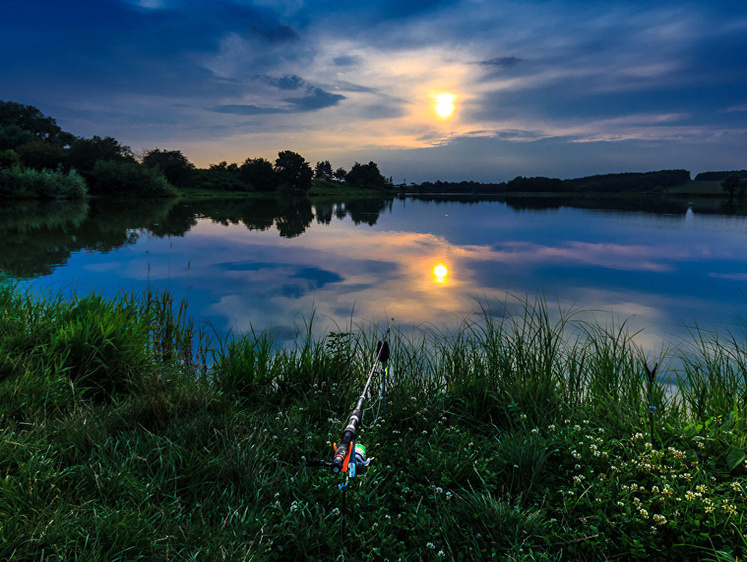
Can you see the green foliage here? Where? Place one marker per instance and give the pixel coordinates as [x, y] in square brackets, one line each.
[20, 124]
[29, 183]
[128, 179]
[9, 158]
[118, 442]
[220, 177]
[84, 153]
[39, 154]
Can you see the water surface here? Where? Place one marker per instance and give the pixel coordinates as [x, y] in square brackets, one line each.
[270, 264]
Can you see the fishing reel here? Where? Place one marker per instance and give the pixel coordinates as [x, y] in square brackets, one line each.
[353, 466]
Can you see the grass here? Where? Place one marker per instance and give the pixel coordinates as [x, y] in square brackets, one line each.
[126, 435]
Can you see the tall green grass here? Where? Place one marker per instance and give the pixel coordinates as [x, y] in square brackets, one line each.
[127, 434]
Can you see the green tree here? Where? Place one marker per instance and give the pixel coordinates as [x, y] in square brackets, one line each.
[259, 174]
[731, 184]
[128, 178]
[323, 170]
[174, 165]
[84, 153]
[40, 155]
[366, 176]
[19, 119]
[220, 177]
[9, 158]
[293, 170]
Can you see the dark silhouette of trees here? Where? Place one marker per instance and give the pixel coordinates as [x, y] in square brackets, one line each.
[720, 176]
[40, 154]
[646, 181]
[340, 174]
[84, 153]
[732, 183]
[9, 158]
[258, 174]
[323, 171]
[366, 176]
[20, 124]
[293, 170]
[125, 178]
[177, 169]
[538, 184]
[220, 177]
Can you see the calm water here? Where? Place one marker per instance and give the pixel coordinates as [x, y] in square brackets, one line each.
[268, 264]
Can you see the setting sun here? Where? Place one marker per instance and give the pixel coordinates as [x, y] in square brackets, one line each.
[440, 272]
[445, 105]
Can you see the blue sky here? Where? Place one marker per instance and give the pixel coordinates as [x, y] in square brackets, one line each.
[560, 88]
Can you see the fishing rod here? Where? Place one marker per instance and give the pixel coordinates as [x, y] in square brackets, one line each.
[347, 447]
[350, 457]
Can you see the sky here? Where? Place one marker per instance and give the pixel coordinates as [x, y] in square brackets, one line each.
[559, 88]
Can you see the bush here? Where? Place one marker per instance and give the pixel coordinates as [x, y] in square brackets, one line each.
[9, 158]
[17, 182]
[127, 179]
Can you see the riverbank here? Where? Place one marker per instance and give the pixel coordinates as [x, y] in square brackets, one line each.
[127, 434]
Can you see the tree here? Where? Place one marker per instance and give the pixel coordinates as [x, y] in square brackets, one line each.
[293, 170]
[220, 177]
[259, 174]
[366, 176]
[323, 171]
[84, 153]
[29, 119]
[174, 165]
[731, 184]
[128, 179]
[40, 155]
[340, 174]
[9, 158]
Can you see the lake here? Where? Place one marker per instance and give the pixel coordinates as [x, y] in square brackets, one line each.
[272, 264]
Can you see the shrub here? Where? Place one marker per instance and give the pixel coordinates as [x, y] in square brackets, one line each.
[127, 179]
[17, 182]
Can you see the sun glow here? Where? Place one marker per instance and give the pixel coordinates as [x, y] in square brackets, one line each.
[444, 105]
[440, 272]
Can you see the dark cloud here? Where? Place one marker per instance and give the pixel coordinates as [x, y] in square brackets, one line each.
[501, 62]
[236, 109]
[317, 99]
[116, 67]
[279, 34]
[381, 111]
[346, 60]
[290, 82]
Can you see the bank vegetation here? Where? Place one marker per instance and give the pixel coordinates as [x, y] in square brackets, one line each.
[127, 432]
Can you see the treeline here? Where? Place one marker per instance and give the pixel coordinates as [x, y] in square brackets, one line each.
[290, 171]
[607, 183]
[40, 160]
[720, 176]
[646, 181]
